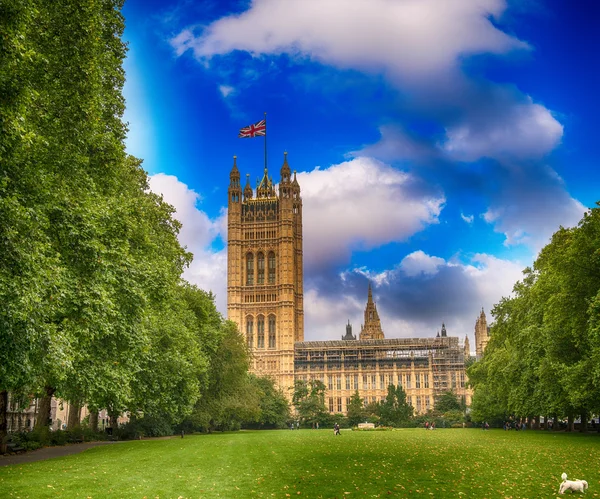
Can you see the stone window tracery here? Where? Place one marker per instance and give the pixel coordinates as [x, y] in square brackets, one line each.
[260, 260]
[260, 332]
[272, 331]
[249, 269]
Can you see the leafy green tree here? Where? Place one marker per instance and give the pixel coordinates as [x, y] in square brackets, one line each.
[309, 400]
[356, 410]
[89, 255]
[448, 401]
[543, 354]
[395, 410]
[274, 407]
[227, 399]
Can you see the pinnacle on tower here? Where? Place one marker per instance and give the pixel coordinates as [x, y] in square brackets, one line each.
[285, 170]
[234, 170]
[248, 188]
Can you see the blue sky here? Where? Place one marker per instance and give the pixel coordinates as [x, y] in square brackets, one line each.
[438, 143]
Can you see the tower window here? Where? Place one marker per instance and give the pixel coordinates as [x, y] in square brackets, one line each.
[260, 332]
[271, 331]
[261, 268]
[271, 268]
[250, 331]
[249, 269]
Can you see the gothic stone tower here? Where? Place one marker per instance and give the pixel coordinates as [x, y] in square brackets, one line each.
[482, 335]
[371, 330]
[264, 270]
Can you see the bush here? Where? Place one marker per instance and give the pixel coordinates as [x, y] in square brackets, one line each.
[146, 426]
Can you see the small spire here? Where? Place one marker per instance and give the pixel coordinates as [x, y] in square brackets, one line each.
[285, 169]
[248, 188]
[235, 173]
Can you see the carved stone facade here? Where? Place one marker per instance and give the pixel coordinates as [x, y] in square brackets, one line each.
[264, 270]
[265, 299]
[482, 334]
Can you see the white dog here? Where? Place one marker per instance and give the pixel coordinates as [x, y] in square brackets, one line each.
[572, 485]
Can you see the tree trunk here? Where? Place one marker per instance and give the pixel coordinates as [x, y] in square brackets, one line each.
[44, 408]
[583, 427]
[74, 415]
[94, 420]
[555, 424]
[536, 423]
[3, 420]
[114, 422]
[570, 421]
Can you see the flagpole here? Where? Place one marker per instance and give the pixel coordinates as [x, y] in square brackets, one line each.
[265, 142]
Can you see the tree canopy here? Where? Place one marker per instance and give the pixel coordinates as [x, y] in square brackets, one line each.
[544, 352]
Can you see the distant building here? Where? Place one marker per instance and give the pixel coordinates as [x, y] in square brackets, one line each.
[265, 299]
[482, 335]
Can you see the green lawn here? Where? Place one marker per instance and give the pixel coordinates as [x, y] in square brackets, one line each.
[315, 464]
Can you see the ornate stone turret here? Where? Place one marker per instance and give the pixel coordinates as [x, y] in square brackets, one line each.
[265, 189]
[444, 330]
[467, 347]
[482, 334]
[285, 170]
[371, 329]
[248, 188]
[349, 336]
[235, 190]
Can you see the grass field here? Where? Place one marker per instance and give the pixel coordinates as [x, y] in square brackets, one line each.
[314, 464]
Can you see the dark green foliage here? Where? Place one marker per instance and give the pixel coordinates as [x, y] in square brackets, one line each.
[273, 406]
[544, 351]
[146, 426]
[448, 401]
[394, 410]
[309, 401]
[356, 410]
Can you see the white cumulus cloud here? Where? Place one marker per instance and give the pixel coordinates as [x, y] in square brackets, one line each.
[209, 267]
[359, 205]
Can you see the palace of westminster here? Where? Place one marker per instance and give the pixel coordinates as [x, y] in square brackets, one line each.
[265, 299]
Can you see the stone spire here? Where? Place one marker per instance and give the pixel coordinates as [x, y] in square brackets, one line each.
[372, 326]
[285, 170]
[248, 188]
[349, 336]
[444, 330]
[482, 334]
[467, 347]
[234, 191]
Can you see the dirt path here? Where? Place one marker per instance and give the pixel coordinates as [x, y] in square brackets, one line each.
[49, 453]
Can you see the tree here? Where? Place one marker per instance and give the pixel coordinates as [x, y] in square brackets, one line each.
[356, 410]
[309, 401]
[89, 255]
[274, 407]
[448, 401]
[542, 358]
[226, 398]
[395, 410]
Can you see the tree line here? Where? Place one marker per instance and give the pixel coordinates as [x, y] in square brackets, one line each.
[543, 357]
[94, 307]
[393, 411]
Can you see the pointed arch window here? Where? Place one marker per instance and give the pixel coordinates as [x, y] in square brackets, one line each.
[272, 331]
[250, 330]
[260, 332]
[260, 260]
[271, 267]
[249, 269]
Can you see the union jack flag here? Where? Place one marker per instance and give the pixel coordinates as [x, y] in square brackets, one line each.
[256, 130]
